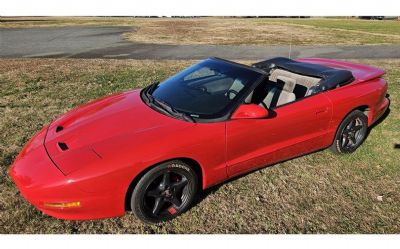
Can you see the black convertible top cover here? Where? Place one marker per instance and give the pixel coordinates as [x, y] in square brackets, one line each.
[330, 77]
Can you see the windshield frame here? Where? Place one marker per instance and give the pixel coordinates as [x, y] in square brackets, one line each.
[227, 111]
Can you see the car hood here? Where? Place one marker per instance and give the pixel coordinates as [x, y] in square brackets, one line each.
[72, 138]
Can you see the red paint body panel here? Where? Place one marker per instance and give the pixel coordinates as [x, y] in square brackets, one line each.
[40, 181]
[102, 146]
[295, 129]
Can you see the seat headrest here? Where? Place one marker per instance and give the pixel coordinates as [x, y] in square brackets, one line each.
[289, 83]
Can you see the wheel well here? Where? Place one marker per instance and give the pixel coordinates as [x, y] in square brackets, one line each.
[365, 109]
[192, 163]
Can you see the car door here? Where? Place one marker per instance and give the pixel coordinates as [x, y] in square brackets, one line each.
[290, 130]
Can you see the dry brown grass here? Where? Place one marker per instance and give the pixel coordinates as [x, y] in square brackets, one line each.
[238, 31]
[222, 31]
[318, 193]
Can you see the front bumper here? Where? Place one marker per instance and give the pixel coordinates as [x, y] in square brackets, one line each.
[40, 182]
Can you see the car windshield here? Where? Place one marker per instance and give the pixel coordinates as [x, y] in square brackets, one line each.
[204, 90]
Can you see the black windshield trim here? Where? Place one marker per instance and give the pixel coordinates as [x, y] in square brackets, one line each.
[252, 68]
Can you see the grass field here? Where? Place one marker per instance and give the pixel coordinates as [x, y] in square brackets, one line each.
[317, 193]
[238, 31]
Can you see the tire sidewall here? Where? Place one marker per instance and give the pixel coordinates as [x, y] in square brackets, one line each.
[337, 147]
[137, 204]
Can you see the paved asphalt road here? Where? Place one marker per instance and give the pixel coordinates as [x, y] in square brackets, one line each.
[107, 42]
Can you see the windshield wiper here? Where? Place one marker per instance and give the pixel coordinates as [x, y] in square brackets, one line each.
[163, 106]
[171, 110]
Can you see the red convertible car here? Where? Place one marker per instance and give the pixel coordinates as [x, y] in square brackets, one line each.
[152, 150]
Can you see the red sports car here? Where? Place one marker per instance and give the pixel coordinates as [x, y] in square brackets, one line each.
[152, 150]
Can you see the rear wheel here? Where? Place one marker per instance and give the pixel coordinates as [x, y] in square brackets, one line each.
[164, 192]
[351, 133]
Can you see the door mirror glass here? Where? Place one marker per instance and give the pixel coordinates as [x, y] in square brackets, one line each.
[246, 111]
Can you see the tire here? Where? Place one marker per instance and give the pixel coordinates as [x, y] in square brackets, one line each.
[164, 192]
[351, 133]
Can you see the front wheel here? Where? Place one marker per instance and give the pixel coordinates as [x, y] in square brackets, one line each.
[351, 133]
[164, 192]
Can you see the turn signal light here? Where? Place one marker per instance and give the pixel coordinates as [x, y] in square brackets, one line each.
[62, 204]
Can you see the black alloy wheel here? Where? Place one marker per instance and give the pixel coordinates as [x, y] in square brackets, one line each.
[164, 192]
[351, 133]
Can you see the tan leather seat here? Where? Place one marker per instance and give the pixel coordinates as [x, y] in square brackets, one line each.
[285, 97]
[278, 97]
[306, 81]
[236, 87]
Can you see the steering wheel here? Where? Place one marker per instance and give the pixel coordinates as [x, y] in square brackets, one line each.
[231, 91]
[202, 89]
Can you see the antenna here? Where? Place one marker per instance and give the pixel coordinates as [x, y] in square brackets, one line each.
[290, 44]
